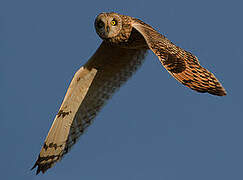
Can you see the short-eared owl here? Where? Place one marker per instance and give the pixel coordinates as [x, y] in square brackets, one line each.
[121, 53]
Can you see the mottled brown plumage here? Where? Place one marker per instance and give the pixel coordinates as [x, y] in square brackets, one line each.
[125, 42]
[182, 65]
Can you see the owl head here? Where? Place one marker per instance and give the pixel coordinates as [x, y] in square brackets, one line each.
[108, 25]
[113, 27]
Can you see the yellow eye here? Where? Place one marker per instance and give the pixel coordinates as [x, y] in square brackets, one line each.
[113, 22]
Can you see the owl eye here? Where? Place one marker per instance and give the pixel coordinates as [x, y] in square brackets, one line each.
[113, 22]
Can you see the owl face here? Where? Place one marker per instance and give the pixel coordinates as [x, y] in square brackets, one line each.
[108, 25]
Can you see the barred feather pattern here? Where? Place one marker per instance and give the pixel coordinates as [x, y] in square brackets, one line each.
[105, 84]
[182, 65]
[113, 65]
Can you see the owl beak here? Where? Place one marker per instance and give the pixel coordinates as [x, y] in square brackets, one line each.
[107, 28]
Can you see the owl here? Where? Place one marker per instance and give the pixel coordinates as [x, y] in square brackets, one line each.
[122, 51]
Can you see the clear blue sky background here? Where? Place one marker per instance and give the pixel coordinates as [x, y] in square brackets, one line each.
[153, 128]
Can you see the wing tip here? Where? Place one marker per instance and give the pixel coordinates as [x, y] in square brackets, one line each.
[41, 167]
[38, 168]
[217, 92]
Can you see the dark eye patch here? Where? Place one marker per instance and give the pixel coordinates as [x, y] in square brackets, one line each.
[100, 24]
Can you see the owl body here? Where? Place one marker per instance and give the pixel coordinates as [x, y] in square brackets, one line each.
[122, 51]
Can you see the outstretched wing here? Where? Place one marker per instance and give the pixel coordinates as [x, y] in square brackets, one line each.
[90, 88]
[182, 65]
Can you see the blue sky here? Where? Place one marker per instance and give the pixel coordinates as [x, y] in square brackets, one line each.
[153, 128]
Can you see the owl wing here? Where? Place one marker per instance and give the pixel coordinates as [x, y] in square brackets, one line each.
[182, 65]
[92, 85]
